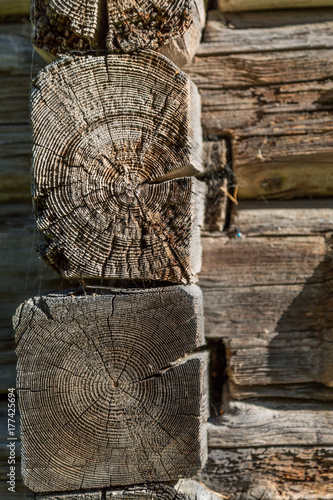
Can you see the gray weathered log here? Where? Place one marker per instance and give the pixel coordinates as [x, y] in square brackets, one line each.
[15, 135]
[183, 490]
[22, 275]
[271, 473]
[272, 423]
[235, 5]
[174, 28]
[110, 135]
[273, 18]
[150, 492]
[272, 308]
[14, 8]
[297, 391]
[285, 218]
[109, 391]
[270, 89]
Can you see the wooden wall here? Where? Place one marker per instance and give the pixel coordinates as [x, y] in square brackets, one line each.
[266, 86]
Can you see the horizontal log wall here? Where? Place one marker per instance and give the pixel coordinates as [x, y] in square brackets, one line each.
[239, 5]
[268, 87]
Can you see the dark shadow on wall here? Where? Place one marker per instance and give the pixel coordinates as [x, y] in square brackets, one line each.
[302, 350]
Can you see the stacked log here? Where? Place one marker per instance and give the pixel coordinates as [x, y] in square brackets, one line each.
[265, 79]
[112, 381]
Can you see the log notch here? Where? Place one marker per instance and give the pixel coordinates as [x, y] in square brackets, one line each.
[106, 400]
[105, 147]
[174, 28]
[266, 81]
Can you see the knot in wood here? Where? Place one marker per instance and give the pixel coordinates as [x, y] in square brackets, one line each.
[127, 189]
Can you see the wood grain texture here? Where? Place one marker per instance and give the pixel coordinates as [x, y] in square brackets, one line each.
[152, 491]
[107, 146]
[15, 134]
[22, 275]
[273, 18]
[93, 495]
[272, 423]
[271, 473]
[217, 175]
[236, 5]
[172, 27]
[269, 299]
[108, 401]
[285, 218]
[14, 8]
[295, 391]
[270, 90]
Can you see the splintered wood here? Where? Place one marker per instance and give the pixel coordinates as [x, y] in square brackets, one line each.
[110, 135]
[172, 27]
[108, 392]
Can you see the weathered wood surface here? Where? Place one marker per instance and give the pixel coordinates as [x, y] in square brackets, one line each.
[272, 423]
[195, 490]
[22, 275]
[271, 473]
[111, 147]
[270, 90]
[272, 18]
[296, 391]
[173, 28]
[221, 39]
[14, 8]
[217, 176]
[286, 218]
[235, 5]
[183, 490]
[268, 298]
[17, 63]
[105, 402]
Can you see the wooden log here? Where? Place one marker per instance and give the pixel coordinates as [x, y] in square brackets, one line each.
[272, 18]
[297, 391]
[284, 218]
[174, 28]
[91, 495]
[236, 5]
[271, 473]
[150, 492]
[107, 145]
[14, 8]
[108, 394]
[273, 97]
[272, 423]
[272, 307]
[221, 39]
[15, 134]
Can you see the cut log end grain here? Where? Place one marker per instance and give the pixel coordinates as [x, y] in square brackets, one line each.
[127, 26]
[111, 138]
[149, 492]
[111, 388]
